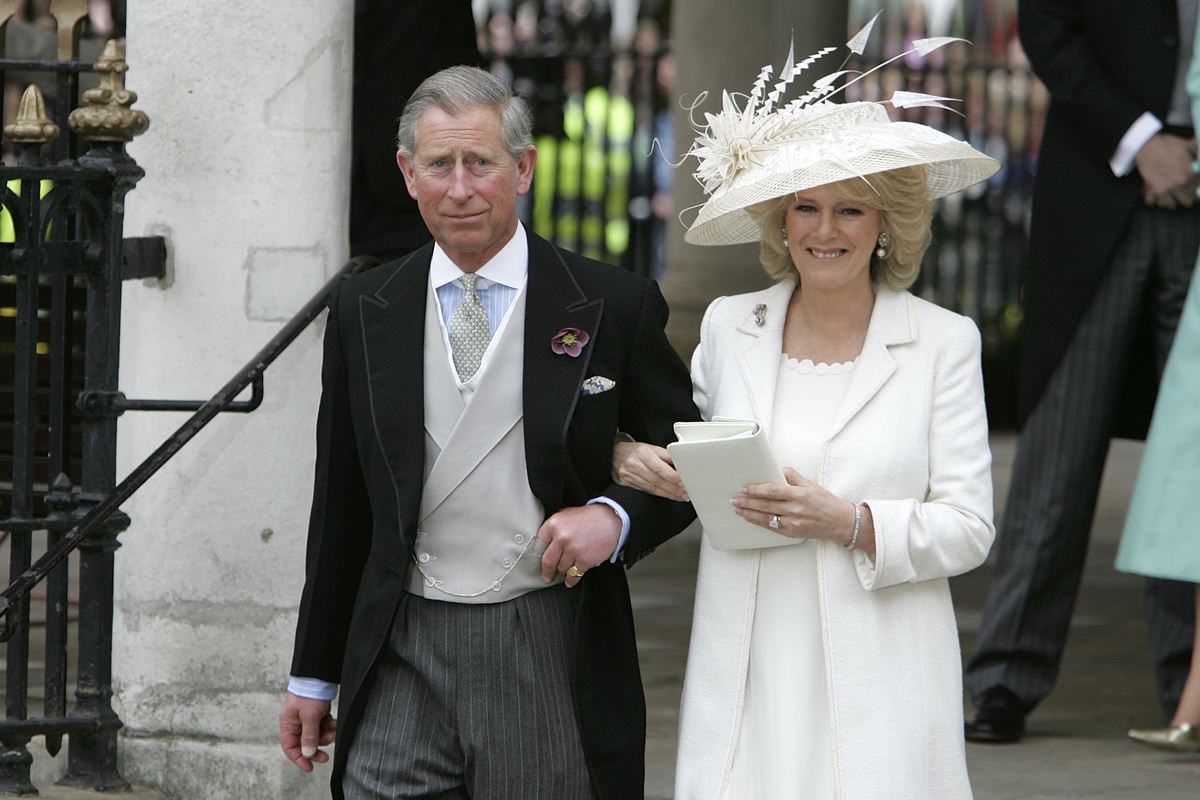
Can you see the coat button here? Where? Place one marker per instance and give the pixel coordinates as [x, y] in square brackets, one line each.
[519, 538]
[423, 558]
[508, 562]
[430, 581]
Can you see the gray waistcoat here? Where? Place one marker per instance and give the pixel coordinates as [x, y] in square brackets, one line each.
[477, 529]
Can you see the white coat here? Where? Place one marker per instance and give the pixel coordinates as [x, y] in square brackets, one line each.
[911, 442]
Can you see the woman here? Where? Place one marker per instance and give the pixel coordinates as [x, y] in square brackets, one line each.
[830, 668]
[1160, 530]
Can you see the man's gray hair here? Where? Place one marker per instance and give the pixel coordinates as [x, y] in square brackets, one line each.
[454, 90]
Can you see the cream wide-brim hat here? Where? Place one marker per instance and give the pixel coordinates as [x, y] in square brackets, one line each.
[830, 142]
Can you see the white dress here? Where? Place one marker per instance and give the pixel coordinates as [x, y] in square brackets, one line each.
[784, 751]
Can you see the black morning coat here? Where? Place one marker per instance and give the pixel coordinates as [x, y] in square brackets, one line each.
[370, 466]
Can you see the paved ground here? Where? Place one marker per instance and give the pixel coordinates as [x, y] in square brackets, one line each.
[1076, 747]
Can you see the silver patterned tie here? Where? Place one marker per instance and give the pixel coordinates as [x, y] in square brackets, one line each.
[469, 333]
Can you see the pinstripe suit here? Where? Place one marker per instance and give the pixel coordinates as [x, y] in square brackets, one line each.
[1104, 286]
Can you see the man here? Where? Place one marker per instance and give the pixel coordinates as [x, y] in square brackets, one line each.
[464, 580]
[1113, 243]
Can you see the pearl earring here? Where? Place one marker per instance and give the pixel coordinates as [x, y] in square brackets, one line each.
[883, 243]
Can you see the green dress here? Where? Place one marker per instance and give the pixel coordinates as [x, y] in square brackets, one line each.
[1162, 530]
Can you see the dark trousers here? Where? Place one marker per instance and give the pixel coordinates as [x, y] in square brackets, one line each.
[1056, 477]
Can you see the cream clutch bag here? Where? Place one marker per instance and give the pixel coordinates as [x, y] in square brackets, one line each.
[716, 459]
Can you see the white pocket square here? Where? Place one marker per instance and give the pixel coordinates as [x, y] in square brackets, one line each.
[597, 384]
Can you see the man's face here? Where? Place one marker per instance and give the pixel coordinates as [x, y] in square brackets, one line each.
[465, 183]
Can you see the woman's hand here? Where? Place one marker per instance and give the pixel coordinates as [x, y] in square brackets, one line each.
[648, 468]
[805, 510]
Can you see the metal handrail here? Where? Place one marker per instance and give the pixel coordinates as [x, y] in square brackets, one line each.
[12, 597]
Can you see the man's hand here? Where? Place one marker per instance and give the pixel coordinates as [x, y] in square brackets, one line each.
[580, 537]
[305, 725]
[1165, 164]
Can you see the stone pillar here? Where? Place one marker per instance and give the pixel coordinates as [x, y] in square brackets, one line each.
[721, 45]
[247, 171]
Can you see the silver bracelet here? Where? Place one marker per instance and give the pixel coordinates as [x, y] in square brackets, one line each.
[857, 527]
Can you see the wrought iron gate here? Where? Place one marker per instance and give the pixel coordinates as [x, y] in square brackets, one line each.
[62, 260]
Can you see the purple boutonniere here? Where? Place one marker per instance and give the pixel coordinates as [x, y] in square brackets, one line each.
[569, 341]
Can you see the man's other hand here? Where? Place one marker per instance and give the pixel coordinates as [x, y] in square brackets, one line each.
[580, 537]
[1165, 164]
[304, 726]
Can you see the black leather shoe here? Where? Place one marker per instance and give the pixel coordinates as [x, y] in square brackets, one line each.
[999, 718]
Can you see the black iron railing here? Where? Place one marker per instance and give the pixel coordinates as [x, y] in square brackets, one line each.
[63, 263]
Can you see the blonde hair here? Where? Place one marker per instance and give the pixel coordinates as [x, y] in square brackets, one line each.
[902, 198]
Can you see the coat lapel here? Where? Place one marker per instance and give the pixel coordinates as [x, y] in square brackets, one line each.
[393, 321]
[552, 381]
[891, 324]
[759, 360]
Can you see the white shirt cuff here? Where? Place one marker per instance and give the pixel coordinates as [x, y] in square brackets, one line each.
[620, 511]
[312, 688]
[1140, 132]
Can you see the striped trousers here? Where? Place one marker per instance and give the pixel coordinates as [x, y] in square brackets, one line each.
[473, 701]
[1056, 476]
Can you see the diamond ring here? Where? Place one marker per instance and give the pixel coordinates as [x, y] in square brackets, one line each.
[775, 522]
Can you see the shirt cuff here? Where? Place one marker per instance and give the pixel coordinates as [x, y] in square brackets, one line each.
[312, 688]
[620, 512]
[1140, 132]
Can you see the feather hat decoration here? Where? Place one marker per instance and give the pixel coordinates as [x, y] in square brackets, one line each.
[758, 147]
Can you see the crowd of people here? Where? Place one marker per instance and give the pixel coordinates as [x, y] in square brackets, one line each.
[496, 409]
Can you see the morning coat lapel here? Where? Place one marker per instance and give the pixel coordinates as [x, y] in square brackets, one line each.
[891, 324]
[759, 358]
[393, 322]
[552, 381]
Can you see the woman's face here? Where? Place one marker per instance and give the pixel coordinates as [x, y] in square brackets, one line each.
[831, 238]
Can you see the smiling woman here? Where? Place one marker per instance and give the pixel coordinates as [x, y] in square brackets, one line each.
[829, 667]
